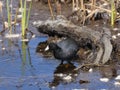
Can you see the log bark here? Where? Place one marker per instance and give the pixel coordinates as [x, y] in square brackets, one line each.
[63, 28]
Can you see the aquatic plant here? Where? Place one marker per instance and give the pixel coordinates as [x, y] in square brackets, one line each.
[9, 15]
[24, 11]
[113, 13]
[86, 10]
[24, 26]
[25, 16]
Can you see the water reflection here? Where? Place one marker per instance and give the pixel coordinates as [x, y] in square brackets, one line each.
[25, 53]
[64, 74]
[67, 74]
[25, 56]
[108, 71]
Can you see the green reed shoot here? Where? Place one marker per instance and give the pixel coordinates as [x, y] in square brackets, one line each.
[23, 7]
[25, 16]
[24, 25]
[113, 12]
[9, 16]
[28, 16]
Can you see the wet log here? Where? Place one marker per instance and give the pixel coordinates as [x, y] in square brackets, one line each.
[61, 27]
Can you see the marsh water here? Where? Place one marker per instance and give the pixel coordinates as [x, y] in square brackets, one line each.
[22, 68]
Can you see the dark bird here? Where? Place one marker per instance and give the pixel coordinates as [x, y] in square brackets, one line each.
[65, 50]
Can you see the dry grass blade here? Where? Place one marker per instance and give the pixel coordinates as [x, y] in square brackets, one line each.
[99, 7]
[1, 5]
[51, 11]
[82, 4]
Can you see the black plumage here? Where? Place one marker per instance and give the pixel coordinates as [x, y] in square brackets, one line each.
[65, 49]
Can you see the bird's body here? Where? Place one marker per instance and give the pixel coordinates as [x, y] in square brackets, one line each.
[65, 49]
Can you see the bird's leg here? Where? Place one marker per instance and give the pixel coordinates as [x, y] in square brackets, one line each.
[69, 62]
[61, 62]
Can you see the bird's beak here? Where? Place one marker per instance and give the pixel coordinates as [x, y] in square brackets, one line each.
[47, 48]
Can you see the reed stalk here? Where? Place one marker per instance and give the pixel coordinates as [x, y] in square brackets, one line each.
[93, 4]
[9, 16]
[113, 13]
[82, 4]
[29, 11]
[25, 16]
[23, 7]
[15, 20]
[2, 15]
[51, 11]
[24, 26]
[73, 5]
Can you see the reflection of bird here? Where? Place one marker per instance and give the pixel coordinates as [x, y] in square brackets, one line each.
[65, 68]
[64, 73]
[66, 49]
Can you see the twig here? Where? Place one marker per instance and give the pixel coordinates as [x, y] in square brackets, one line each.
[51, 11]
[109, 11]
[90, 64]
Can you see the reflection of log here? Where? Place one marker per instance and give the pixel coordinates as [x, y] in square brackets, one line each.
[62, 27]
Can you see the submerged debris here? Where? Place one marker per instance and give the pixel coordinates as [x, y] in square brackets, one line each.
[83, 81]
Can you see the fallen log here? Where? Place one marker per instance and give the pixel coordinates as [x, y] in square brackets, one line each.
[61, 27]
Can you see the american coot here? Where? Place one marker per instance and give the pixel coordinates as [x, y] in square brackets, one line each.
[65, 49]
